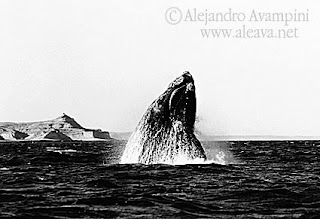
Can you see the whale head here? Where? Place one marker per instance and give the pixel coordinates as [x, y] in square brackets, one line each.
[165, 132]
[176, 104]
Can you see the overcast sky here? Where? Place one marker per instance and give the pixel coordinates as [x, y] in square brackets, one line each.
[104, 62]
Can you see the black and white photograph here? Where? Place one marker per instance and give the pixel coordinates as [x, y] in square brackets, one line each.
[159, 109]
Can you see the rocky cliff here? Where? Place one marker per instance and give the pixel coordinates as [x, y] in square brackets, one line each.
[62, 128]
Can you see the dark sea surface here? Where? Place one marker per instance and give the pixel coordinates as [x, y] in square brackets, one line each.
[262, 179]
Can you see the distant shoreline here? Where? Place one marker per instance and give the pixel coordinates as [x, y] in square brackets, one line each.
[114, 139]
[126, 135]
[62, 128]
[65, 128]
[259, 138]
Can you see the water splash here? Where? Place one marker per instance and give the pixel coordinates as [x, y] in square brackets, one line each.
[173, 151]
[172, 145]
[219, 153]
[219, 157]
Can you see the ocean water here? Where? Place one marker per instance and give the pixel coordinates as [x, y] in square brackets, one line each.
[256, 179]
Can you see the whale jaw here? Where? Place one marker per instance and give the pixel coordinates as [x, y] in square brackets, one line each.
[182, 105]
[165, 133]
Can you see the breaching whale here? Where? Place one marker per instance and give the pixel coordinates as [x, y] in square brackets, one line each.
[165, 133]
